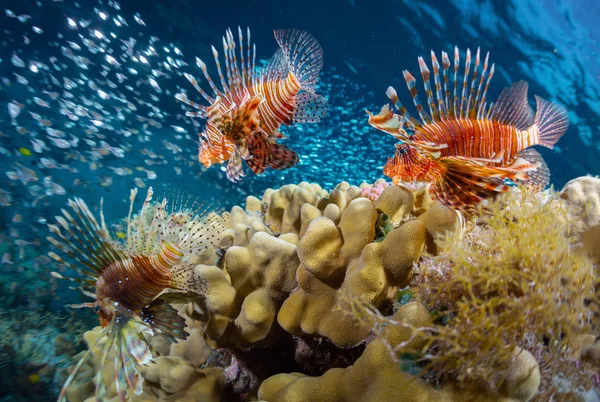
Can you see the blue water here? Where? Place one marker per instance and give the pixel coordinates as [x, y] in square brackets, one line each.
[551, 44]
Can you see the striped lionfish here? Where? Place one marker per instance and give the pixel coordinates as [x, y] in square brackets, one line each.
[245, 114]
[127, 279]
[465, 148]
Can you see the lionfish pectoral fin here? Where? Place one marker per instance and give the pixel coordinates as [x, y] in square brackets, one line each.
[164, 319]
[84, 358]
[521, 164]
[540, 177]
[81, 305]
[282, 157]
[277, 134]
[497, 158]
[246, 119]
[464, 184]
[259, 151]
[235, 171]
[309, 108]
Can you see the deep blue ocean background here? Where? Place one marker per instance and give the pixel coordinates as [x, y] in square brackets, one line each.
[552, 44]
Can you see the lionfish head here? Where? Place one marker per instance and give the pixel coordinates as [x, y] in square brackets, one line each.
[409, 164]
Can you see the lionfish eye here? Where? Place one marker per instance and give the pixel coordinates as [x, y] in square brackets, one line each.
[402, 151]
[96, 309]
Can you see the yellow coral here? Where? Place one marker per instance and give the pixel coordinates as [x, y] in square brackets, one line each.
[376, 375]
[243, 299]
[582, 198]
[346, 258]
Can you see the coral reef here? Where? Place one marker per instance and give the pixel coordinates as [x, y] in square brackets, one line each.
[582, 198]
[34, 350]
[379, 293]
[375, 376]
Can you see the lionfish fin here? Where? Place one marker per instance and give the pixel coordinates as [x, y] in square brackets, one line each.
[406, 120]
[85, 242]
[201, 109]
[441, 103]
[552, 121]
[464, 184]
[425, 74]
[84, 358]
[309, 107]
[186, 230]
[260, 152]
[196, 86]
[234, 170]
[303, 55]
[239, 74]
[127, 349]
[512, 107]
[282, 157]
[540, 177]
[386, 120]
[496, 158]
[410, 83]
[162, 318]
[276, 68]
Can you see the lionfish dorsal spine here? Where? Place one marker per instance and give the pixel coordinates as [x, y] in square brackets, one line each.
[438, 85]
[471, 103]
[410, 83]
[473, 82]
[476, 104]
[425, 74]
[446, 66]
[212, 84]
[463, 98]
[455, 93]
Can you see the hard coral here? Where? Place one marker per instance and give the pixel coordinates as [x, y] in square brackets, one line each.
[582, 198]
[377, 374]
[345, 257]
[243, 299]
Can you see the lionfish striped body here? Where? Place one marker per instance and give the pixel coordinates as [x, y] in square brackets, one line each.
[127, 280]
[245, 114]
[464, 147]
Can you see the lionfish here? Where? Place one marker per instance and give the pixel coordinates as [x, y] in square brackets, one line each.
[465, 148]
[127, 279]
[245, 114]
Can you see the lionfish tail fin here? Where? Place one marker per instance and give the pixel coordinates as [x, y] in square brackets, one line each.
[309, 108]
[162, 318]
[303, 55]
[552, 121]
